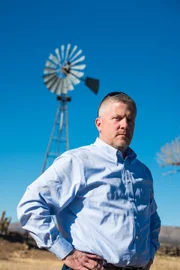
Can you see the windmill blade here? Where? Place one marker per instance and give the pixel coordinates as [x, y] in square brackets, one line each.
[67, 53]
[64, 90]
[73, 79]
[80, 67]
[48, 77]
[62, 53]
[73, 50]
[51, 82]
[77, 73]
[76, 55]
[78, 60]
[65, 86]
[59, 87]
[53, 59]
[58, 55]
[53, 87]
[92, 84]
[70, 86]
[49, 71]
[50, 64]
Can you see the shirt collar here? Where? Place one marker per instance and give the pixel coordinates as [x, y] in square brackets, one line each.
[115, 154]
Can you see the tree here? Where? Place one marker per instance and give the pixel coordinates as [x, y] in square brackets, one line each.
[170, 155]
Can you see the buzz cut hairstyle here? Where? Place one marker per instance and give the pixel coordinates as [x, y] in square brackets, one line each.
[118, 97]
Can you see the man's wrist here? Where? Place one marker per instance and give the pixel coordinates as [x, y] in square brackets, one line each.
[61, 248]
[69, 254]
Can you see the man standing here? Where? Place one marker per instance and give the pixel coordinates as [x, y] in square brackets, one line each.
[102, 197]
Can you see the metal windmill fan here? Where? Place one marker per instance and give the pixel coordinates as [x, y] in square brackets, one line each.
[64, 70]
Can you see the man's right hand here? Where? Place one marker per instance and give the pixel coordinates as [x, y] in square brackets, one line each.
[79, 260]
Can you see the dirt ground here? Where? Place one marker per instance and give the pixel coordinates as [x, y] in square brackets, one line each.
[17, 256]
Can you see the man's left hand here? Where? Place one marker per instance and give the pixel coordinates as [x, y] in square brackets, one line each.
[148, 265]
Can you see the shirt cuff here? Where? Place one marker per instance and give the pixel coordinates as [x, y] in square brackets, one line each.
[61, 248]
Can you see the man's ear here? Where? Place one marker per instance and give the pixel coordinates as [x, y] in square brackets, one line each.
[98, 123]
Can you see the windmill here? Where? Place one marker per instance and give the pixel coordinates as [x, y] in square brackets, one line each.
[62, 72]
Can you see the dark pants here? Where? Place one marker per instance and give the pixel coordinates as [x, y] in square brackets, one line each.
[65, 267]
[108, 267]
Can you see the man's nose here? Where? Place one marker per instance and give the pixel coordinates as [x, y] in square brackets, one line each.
[124, 123]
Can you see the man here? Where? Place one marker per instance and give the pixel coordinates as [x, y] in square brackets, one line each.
[102, 197]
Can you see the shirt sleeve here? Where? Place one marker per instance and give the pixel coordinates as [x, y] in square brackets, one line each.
[155, 226]
[45, 197]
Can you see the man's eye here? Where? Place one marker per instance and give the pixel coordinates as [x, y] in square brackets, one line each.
[117, 118]
[130, 120]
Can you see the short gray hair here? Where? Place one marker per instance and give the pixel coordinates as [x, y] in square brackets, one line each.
[119, 97]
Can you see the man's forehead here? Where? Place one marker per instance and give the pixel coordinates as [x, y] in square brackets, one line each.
[109, 106]
[118, 108]
[118, 104]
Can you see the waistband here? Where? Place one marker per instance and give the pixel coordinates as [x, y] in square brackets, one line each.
[109, 266]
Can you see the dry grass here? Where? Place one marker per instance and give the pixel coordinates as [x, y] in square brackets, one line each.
[166, 263]
[30, 264]
[161, 263]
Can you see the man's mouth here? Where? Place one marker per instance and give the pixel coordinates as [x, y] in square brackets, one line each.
[124, 135]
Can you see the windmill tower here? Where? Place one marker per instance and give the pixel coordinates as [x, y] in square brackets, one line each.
[62, 72]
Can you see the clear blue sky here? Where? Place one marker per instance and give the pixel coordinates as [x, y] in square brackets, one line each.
[132, 46]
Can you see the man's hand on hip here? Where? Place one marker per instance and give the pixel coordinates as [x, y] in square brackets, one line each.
[79, 260]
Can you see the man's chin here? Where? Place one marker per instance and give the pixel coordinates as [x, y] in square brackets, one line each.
[122, 146]
[123, 141]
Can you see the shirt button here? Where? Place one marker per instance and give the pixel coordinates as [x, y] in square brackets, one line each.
[137, 237]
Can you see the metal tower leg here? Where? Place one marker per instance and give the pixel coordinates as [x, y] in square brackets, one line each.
[59, 140]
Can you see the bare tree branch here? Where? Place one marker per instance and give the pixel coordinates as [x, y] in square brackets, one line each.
[170, 172]
[170, 154]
